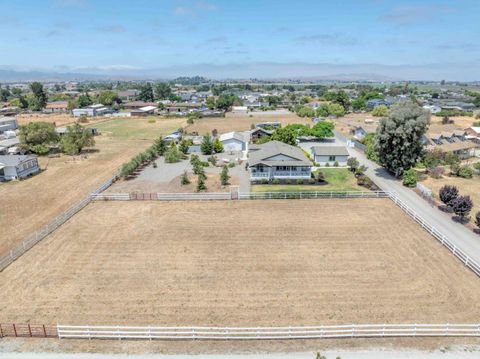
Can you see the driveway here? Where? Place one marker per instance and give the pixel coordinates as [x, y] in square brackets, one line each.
[462, 237]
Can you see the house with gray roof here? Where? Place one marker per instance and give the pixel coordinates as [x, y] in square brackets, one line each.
[277, 160]
[330, 154]
[17, 166]
[234, 141]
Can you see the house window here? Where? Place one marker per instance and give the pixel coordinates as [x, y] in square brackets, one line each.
[331, 158]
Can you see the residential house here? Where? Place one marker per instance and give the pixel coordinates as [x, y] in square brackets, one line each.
[56, 107]
[277, 160]
[329, 155]
[234, 141]
[8, 124]
[450, 139]
[371, 104]
[433, 108]
[183, 107]
[128, 95]
[473, 133]
[359, 132]
[17, 166]
[268, 125]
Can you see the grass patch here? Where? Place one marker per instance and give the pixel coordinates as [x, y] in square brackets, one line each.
[148, 128]
[339, 179]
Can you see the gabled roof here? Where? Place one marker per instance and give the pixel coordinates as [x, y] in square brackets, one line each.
[232, 135]
[261, 129]
[13, 160]
[330, 151]
[264, 153]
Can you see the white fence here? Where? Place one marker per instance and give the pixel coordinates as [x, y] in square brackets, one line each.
[16, 252]
[233, 195]
[468, 261]
[263, 333]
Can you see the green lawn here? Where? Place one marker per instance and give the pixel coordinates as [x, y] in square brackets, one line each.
[148, 128]
[339, 179]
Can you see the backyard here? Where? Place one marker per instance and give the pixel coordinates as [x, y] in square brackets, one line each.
[239, 263]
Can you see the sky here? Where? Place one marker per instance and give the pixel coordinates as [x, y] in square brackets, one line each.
[422, 39]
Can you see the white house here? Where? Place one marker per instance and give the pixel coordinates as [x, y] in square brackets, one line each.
[433, 108]
[277, 160]
[91, 111]
[17, 166]
[330, 154]
[234, 142]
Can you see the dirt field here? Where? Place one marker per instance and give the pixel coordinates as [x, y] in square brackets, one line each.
[347, 123]
[235, 263]
[462, 122]
[29, 204]
[242, 122]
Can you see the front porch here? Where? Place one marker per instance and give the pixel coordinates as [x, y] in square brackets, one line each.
[279, 172]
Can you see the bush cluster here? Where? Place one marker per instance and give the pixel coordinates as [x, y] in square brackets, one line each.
[147, 156]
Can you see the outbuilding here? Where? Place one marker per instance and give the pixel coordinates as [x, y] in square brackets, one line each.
[233, 142]
[330, 155]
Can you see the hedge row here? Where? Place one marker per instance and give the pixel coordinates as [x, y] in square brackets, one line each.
[145, 157]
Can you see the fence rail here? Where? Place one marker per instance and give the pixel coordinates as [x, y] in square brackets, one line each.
[28, 330]
[467, 260]
[262, 333]
[28, 243]
[242, 195]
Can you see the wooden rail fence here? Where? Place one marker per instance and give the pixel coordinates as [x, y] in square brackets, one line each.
[28, 330]
[264, 333]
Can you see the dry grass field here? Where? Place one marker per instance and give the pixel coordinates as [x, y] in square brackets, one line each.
[29, 204]
[239, 263]
[462, 122]
[242, 122]
[470, 187]
[60, 119]
[347, 123]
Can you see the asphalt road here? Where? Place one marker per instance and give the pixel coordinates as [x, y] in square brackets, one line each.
[458, 234]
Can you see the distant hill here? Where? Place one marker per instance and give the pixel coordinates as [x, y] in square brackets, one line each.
[22, 76]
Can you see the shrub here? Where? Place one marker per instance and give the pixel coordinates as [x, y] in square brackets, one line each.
[275, 181]
[184, 179]
[217, 146]
[152, 120]
[311, 181]
[448, 194]
[213, 160]
[380, 111]
[231, 164]
[476, 166]
[361, 170]
[465, 171]
[409, 178]
[83, 119]
[451, 159]
[207, 145]
[299, 181]
[201, 183]
[477, 219]
[353, 164]
[335, 164]
[172, 155]
[224, 177]
[288, 181]
[462, 206]
[436, 172]
[327, 164]
[264, 180]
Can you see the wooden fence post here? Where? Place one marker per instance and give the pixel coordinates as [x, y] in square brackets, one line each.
[30, 330]
[14, 329]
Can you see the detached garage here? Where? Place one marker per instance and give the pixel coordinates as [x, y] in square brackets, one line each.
[233, 142]
[330, 154]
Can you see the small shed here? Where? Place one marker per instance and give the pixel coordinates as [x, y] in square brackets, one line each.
[330, 154]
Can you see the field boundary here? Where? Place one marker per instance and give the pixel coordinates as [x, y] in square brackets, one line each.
[135, 196]
[28, 243]
[268, 333]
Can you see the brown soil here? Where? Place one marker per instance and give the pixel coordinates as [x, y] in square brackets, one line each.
[239, 263]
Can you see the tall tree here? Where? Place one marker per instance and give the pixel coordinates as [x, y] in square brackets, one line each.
[37, 137]
[146, 93]
[84, 100]
[75, 139]
[39, 99]
[398, 140]
[163, 91]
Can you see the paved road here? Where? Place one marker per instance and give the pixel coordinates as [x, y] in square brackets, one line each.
[455, 353]
[462, 237]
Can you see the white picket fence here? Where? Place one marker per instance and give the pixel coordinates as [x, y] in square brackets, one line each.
[263, 333]
[467, 260]
[313, 194]
[28, 243]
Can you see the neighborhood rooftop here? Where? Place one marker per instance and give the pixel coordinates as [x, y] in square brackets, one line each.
[330, 151]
